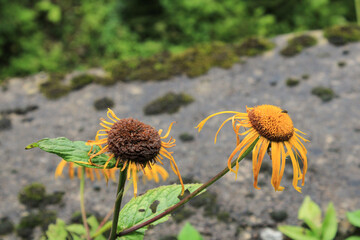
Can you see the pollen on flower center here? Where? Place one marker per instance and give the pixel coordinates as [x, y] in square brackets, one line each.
[134, 141]
[271, 122]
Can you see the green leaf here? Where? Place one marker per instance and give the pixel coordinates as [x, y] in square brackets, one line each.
[152, 203]
[93, 223]
[76, 229]
[297, 233]
[353, 238]
[310, 213]
[57, 231]
[354, 218]
[72, 151]
[329, 226]
[189, 232]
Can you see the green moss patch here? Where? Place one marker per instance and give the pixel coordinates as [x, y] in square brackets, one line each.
[342, 34]
[324, 93]
[54, 88]
[81, 81]
[342, 64]
[182, 214]
[103, 103]
[186, 137]
[54, 198]
[28, 223]
[279, 216]
[208, 201]
[292, 82]
[34, 196]
[305, 76]
[26, 226]
[46, 218]
[253, 46]
[5, 123]
[6, 226]
[224, 217]
[193, 62]
[169, 103]
[297, 44]
[199, 59]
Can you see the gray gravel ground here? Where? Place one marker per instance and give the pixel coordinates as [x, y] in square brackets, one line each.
[333, 128]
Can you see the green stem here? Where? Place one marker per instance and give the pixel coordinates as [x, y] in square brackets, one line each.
[82, 202]
[104, 225]
[119, 196]
[190, 196]
[357, 9]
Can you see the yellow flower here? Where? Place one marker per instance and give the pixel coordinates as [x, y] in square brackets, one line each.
[275, 130]
[89, 172]
[136, 145]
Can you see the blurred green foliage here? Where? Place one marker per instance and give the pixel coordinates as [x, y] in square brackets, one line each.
[55, 35]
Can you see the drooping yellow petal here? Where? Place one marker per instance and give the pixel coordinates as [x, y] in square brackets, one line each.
[295, 168]
[168, 131]
[229, 119]
[202, 123]
[112, 114]
[255, 154]
[275, 158]
[106, 122]
[59, 168]
[98, 142]
[245, 141]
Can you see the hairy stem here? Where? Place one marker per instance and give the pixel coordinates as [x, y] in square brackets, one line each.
[119, 196]
[190, 196]
[82, 202]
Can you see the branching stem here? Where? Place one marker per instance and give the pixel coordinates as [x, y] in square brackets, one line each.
[187, 198]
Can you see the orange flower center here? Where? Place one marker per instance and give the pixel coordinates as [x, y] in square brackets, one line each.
[271, 122]
[131, 140]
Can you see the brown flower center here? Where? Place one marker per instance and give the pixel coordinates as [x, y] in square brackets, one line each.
[271, 122]
[131, 140]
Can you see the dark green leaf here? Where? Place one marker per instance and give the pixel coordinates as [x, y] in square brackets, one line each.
[189, 232]
[354, 218]
[297, 233]
[329, 227]
[70, 151]
[152, 203]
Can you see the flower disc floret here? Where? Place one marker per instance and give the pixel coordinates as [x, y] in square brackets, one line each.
[131, 140]
[271, 122]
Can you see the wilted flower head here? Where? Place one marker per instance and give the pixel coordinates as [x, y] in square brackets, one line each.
[274, 129]
[135, 145]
